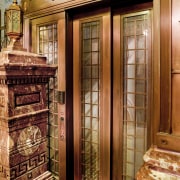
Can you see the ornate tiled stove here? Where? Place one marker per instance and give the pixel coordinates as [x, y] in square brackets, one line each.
[23, 115]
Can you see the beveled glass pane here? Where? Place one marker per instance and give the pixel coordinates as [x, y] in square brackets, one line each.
[129, 28]
[56, 144]
[95, 44]
[95, 136]
[87, 97]
[55, 33]
[50, 47]
[140, 116]
[130, 128]
[45, 47]
[95, 71]
[140, 42]
[95, 97]
[55, 58]
[87, 58]
[86, 72]
[86, 32]
[50, 34]
[55, 46]
[87, 134]
[41, 28]
[51, 118]
[87, 146]
[130, 142]
[56, 155]
[56, 131]
[130, 85]
[52, 164]
[139, 158]
[87, 122]
[130, 57]
[55, 107]
[130, 100]
[95, 111]
[51, 95]
[87, 109]
[95, 124]
[50, 59]
[45, 35]
[95, 84]
[95, 58]
[140, 144]
[140, 56]
[140, 71]
[130, 156]
[86, 84]
[140, 86]
[95, 31]
[130, 170]
[86, 158]
[131, 42]
[87, 45]
[140, 100]
[55, 120]
[57, 167]
[52, 143]
[41, 35]
[130, 114]
[140, 26]
[131, 71]
[41, 48]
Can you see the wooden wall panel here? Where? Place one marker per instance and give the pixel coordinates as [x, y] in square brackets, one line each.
[175, 35]
[165, 61]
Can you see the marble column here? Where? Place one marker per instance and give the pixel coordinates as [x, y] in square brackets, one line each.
[23, 115]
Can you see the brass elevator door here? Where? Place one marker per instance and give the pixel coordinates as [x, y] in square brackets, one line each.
[111, 95]
[91, 58]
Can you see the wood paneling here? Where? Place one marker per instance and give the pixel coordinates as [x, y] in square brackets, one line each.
[165, 61]
[45, 7]
[175, 35]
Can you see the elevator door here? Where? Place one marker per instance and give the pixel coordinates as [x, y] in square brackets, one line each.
[132, 77]
[112, 81]
[91, 57]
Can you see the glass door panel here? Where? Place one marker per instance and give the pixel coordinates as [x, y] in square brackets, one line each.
[48, 47]
[136, 33]
[91, 93]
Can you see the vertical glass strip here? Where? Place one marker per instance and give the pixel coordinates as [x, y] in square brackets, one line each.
[90, 99]
[135, 60]
[48, 48]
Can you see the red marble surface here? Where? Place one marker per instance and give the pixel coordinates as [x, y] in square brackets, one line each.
[23, 115]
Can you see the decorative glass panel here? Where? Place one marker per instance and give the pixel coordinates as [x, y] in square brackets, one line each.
[90, 102]
[136, 84]
[48, 48]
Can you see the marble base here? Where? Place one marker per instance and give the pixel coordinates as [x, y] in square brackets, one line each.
[23, 116]
[45, 176]
[160, 164]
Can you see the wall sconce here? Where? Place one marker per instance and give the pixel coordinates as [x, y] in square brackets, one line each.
[14, 25]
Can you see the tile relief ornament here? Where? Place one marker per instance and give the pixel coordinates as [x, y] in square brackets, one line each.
[29, 140]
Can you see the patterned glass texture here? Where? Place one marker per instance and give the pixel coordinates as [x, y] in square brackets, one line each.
[136, 75]
[48, 48]
[90, 100]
